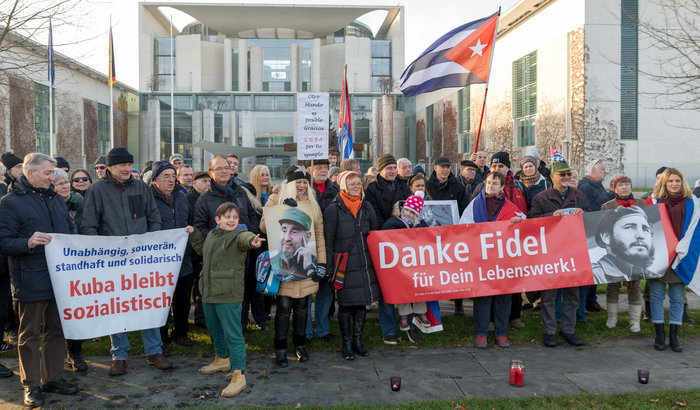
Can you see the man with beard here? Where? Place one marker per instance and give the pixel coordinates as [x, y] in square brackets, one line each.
[625, 233]
[294, 258]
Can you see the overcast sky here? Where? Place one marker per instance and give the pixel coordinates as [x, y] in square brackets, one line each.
[425, 21]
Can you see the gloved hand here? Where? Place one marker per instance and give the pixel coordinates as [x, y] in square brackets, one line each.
[290, 202]
[320, 272]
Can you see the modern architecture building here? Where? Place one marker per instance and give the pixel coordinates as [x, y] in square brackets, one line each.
[237, 68]
[594, 78]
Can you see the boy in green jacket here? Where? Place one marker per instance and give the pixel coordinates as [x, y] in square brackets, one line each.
[221, 283]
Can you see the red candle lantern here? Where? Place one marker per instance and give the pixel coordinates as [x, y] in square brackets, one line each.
[517, 373]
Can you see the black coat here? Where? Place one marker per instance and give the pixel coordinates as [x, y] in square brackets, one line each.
[324, 199]
[382, 198]
[205, 208]
[175, 215]
[480, 175]
[24, 211]
[345, 233]
[452, 189]
[595, 193]
[192, 197]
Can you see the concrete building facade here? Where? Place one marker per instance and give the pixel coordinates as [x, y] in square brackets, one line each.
[237, 69]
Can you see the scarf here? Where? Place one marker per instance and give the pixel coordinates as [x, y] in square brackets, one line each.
[626, 202]
[494, 204]
[320, 187]
[169, 199]
[675, 204]
[531, 180]
[354, 203]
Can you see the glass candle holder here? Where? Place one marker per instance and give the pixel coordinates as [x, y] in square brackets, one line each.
[395, 383]
[643, 376]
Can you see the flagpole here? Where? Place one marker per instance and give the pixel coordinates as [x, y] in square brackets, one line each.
[172, 90]
[52, 152]
[486, 91]
[342, 111]
[111, 86]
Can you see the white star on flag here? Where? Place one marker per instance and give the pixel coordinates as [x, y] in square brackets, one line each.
[478, 48]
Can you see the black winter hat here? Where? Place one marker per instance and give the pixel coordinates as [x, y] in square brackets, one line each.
[501, 158]
[101, 160]
[62, 163]
[295, 172]
[119, 155]
[160, 166]
[10, 160]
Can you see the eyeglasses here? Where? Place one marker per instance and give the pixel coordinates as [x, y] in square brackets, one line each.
[565, 174]
[101, 167]
[84, 179]
[221, 169]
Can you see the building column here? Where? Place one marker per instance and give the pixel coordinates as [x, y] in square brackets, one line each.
[207, 131]
[316, 65]
[295, 65]
[376, 144]
[242, 65]
[233, 115]
[256, 68]
[388, 123]
[228, 69]
[153, 130]
[197, 153]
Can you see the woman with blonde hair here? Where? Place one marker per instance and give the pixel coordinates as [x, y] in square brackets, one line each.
[672, 190]
[292, 295]
[260, 180]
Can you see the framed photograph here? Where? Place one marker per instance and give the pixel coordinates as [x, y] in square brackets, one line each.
[626, 244]
[440, 213]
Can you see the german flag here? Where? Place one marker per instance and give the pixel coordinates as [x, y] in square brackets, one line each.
[112, 77]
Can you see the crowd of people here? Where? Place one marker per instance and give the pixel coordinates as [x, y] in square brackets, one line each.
[227, 219]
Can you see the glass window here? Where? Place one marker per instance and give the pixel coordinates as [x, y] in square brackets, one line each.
[214, 102]
[103, 136]
[243, 102]
[264, 102]
[285, 102]
[381, 66]
[41, 117]
[629, 63]
[162, 46]
[381, 48]
[184, 102]
[234, 69]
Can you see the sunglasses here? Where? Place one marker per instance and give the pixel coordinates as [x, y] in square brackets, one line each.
[565, 174]
[84, 179]
[101, 167]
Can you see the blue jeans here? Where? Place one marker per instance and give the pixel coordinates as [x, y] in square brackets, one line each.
[324, 298]
[151, 343]
[501, 312]
[657, 294]
[387, 318]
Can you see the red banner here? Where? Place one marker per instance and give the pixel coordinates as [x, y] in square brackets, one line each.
[464, 261]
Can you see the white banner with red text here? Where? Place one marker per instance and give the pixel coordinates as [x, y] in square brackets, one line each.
[112, 284]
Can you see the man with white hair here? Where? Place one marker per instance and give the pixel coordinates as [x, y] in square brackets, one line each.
[27, 214]
[405, 170]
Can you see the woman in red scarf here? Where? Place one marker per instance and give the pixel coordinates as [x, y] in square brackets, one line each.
[622, 186]
[672, 190]
[347, 223]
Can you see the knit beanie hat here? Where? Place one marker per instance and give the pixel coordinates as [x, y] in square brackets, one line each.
[159, 167]
[343, 178]
[501, 158]
[414, 203]
[618, 180]
[10, 160]
[533, 152]
[385, 160]
[119, 155]
[529, 159]
[101, 160]
[62, 163]
[418, 170]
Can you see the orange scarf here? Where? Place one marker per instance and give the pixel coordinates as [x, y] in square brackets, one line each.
[352, 202]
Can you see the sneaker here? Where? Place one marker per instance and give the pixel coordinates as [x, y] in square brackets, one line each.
[159, 361]
[423, 320]
[236, 386]
[389, 339]
[502, 342]
[5, 347]
[220, 364]
[118, 368]
[517, 323]
[33, 397]
[184, 341]
[59, 386]
[414, 335]
[403, 323]
[480, 342]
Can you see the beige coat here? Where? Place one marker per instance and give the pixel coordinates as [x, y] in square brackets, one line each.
[300, 288]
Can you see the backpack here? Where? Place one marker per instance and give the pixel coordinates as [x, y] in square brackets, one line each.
[268, 283]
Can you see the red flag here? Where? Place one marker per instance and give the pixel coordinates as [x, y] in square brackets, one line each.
[112, 76]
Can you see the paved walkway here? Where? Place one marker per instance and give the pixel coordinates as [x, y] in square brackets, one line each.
[427, 373]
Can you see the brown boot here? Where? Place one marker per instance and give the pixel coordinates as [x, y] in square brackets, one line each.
[236, 386]
[159, 361]
[220, 364]
[118, 368]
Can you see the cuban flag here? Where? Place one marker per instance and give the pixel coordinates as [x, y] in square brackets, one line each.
[433, 316]
[457, 59]
[345, 125]
[688, 249]
[556, 156]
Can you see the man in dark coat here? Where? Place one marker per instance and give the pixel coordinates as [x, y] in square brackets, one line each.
[592, 187]
[223, 189]
[467, 175]
[383, 193]
[201, 181]
[174, 212]
[500, 162]
[119, 205]
[26, 214]
[13, 169]
[559, 200]
[325, 192]
[444, 186]
[482, 170]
